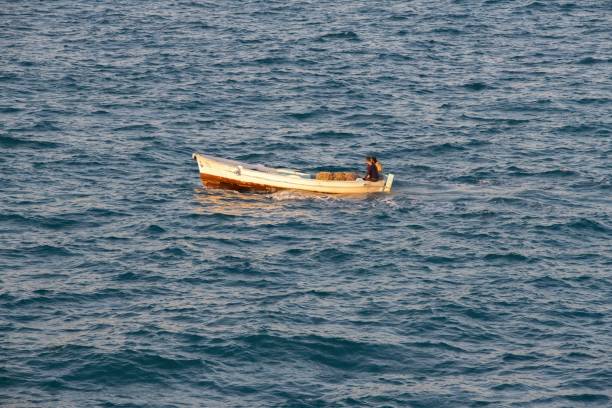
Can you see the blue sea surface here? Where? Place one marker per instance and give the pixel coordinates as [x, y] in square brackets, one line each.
[483, 279]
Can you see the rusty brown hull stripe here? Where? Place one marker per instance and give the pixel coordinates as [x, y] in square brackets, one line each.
[227, 183]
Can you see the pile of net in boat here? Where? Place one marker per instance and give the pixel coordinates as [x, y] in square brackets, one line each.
[338, 175]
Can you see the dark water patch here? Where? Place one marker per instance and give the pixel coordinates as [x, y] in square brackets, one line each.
[506, 121]
[578, 225]
[128, 367]
[270, 61]
[508, 387]
[437, 260]
[508, 257]
[333, 135]
[593, 101]
[100, 112]
[440, 345]
[509, 201]
[476, 86]
[516, 357]
[60, 299]
[334, 255]
[40, 126]
[38, 252]
[447, 31]
[558, 173]
[392, 56]
[171, 252]
[587, 398]
[8, 76]
[136, 127]
[545, 282]
[53, 223]
[518, 172]
[444, 148]
[576, 355]
[369, 119]
[310, 114]
[336, 353]
[296, 251]
[104, 212]
[127, 277]
[13, 142]
[10, 109]
[592, 61]
[577, 129]
[341, 35]
[476, 177]
[578, 314]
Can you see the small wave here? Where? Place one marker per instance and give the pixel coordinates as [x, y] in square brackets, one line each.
[170, 252]
[587, 224]
[535, 5]
[581, 224]
[100, 112]
[155, 229]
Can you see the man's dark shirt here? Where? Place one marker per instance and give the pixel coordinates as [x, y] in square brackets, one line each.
[372, 173]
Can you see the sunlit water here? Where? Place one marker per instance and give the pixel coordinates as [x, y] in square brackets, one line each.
[484, 279]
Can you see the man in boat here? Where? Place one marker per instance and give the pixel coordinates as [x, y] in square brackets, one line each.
[378, 165]
[371, 170]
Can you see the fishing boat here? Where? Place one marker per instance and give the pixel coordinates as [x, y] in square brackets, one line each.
[230, 174]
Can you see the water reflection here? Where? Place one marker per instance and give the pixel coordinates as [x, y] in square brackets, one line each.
[288, 203]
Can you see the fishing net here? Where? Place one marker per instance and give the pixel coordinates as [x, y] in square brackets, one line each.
[338, 176]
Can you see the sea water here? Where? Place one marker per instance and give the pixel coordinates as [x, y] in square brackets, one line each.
[483, 279]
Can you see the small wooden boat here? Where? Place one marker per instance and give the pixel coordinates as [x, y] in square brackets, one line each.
[230, 174]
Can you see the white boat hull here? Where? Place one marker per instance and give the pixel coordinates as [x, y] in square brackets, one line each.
[222, 173]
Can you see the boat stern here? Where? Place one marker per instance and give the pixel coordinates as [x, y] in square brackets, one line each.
[388, 183]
